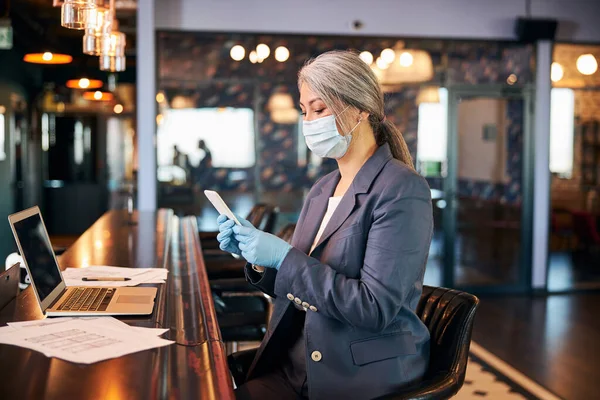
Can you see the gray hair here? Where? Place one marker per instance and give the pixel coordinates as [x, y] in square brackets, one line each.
[342, 79]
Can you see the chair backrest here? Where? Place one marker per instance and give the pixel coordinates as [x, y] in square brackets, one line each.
[449, 315]
[263, 216]
[287, 232]
[9, 284]
[584, 226]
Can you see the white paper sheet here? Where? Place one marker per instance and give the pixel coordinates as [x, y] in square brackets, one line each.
[105, 322]
[74, 276]
[79, 340]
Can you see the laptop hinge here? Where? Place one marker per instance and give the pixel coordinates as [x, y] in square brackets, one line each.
[60, 296]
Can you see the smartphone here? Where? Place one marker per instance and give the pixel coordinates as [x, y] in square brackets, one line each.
[220, 205]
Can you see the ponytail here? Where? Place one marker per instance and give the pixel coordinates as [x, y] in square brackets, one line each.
[387, 132]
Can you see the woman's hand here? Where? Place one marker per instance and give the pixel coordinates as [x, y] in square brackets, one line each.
[260, 248]
[227, 241]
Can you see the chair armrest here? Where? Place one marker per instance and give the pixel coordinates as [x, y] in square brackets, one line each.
[239, 364]
[232, 285]
[208, 235]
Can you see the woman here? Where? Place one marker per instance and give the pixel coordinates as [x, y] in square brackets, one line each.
[346, 290]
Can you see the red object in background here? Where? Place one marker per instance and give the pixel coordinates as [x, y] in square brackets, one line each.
[585, 228]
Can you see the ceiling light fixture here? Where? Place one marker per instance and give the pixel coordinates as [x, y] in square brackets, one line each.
[237, 52]
[367, 57]
[84, 83]
[263, 51]
[98, 24]
[74, 13]
[47, 58]
[556, 72]
[388, 55]
[118, 108]
[587, 64]
[429, 94]
[112, 50]
[381, 64]
[282, 54]
[253, 57]
[98, 96]
[406, 59]
[281, 106]
[411, 66]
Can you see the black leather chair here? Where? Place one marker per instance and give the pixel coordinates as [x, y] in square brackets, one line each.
[449, 316]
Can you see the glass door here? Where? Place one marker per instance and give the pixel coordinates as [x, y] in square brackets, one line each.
[486, 190]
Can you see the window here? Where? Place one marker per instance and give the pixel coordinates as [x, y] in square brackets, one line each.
[562, 121]
[227, 132]
[433, 134]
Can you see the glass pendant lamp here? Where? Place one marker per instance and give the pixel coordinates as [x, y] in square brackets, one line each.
[112, 52]
[98, 24]
[75, 13]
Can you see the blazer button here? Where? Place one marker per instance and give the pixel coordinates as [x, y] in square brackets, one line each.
[297, 301]
[316, 356]
[290, 296]
[305, 304]
[312, 308]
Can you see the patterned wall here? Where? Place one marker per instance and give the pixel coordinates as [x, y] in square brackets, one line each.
[199, 65]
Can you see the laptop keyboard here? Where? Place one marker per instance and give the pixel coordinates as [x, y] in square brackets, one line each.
[87, 299]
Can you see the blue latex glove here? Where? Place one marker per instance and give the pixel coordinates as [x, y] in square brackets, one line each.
[227, 241]
[261, 248]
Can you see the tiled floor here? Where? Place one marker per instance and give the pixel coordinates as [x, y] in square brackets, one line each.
[480, 383]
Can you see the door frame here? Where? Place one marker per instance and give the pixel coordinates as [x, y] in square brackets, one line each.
[450, 186]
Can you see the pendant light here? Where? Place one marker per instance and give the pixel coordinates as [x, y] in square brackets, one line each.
[98, 96]
[74, 13]
[84, 83]
[47, 58]
[99, 23]
[112, 50]
[281, 106]
[407, 66]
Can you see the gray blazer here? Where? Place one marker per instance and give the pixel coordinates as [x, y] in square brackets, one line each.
[360, 286]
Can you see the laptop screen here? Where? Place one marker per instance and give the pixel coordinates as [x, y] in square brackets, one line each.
[37, 252]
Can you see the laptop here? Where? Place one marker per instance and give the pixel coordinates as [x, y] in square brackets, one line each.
[54, 297]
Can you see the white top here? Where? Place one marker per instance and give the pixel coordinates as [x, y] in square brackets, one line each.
[331, 206]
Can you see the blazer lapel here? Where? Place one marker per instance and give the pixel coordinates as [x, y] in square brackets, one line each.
[342, 212]
[361, 184]
[317, 207]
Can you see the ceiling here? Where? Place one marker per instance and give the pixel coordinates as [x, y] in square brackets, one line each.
[36, 25]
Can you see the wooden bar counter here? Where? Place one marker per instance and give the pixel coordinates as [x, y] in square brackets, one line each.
[195, 367]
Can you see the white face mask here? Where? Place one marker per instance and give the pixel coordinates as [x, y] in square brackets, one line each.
[323, 138]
